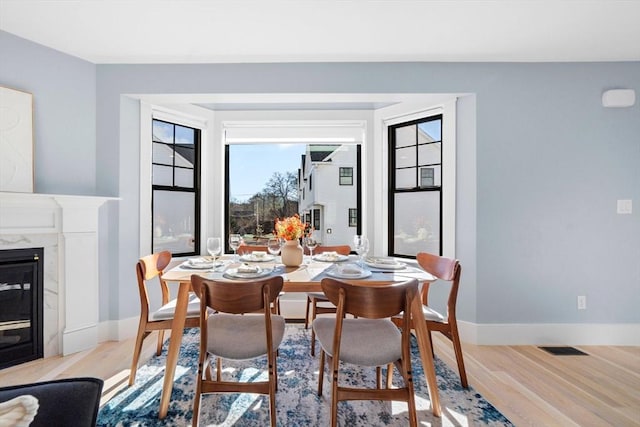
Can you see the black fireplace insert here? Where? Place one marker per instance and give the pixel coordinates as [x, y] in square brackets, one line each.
[21, 305]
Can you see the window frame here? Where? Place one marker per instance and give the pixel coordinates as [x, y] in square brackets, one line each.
[417, 188]
[341, 175]
[195, 189]
[353, 217]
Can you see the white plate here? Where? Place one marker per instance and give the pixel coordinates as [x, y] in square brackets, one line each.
[339, 258]
[337, 274]
[385, 265]
[197, 265]
[233, 273]
[252, 258]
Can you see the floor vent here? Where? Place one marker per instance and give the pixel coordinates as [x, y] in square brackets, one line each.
[564, 351]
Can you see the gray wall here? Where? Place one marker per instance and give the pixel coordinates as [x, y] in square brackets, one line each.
[536, 208]
[64, 98]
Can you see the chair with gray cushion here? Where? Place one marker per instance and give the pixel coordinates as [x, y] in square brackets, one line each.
[149, 269]
[445, 270]
[371, 339]
[64, 402]
[236, 331]
[317, 300]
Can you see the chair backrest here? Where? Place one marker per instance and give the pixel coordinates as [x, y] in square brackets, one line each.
[373, 302]
[443, 268]
[340, 249]
[63, 402]
[147, 268]
[237, 297]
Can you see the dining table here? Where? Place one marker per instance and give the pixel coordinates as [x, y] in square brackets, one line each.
[303, 278]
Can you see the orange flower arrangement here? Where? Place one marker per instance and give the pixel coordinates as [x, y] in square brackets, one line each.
[290, 228]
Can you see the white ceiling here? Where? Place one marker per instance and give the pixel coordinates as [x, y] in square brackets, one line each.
[219, 31]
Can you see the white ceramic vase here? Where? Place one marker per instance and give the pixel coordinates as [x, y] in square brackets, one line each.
[291, 253]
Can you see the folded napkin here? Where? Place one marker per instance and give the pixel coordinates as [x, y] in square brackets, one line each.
[199, 262]
[350, 269]
[258, 254]
[389, 261]
[329, 256]
[246, 268]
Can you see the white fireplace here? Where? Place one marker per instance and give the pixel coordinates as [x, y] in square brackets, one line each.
[66, 227]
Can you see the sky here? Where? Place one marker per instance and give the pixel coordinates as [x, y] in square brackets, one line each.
[252, 165]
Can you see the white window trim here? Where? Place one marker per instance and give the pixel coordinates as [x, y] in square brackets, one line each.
[187, 115]
[386, 117]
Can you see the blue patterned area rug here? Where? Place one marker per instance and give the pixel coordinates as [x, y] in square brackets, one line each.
[297, 402]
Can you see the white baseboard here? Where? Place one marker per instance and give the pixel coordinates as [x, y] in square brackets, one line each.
[118, 330]
[619, 334]
[624, 334]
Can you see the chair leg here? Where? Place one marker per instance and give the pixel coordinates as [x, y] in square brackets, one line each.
[334, 399]
[457, 347]
[321, 373]
[160, 341]
[411, 402]
[313, 333]
[275, 368]
[306, 314]
[273, 385]
[389, 375]
[218, 369]
[196, 399]
[378, 377]
[136, 353]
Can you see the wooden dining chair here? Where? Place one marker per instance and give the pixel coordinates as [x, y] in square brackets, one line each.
[246, 249]
[371, 339]
[317, 300]
[236, 332]
[149, 269]
[449, 270]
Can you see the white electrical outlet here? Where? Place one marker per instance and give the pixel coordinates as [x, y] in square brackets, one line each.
[582, 302]
[625, 206]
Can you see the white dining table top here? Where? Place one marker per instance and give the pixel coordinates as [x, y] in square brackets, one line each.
[304, 278]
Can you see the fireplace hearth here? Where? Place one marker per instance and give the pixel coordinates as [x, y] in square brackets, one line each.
[21, 305]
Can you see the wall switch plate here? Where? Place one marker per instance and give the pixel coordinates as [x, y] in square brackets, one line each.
[625, 206]
[582, 302]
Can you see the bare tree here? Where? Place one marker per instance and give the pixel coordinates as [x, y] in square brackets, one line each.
[283, 189]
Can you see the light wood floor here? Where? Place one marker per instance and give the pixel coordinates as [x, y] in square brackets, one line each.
[528, 385]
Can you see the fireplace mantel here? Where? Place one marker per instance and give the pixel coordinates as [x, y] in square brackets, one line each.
[67, 226]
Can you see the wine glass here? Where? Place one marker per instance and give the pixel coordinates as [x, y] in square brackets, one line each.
[214, 247]
[274, 245]
[235, 240]
[311, 243]
[361, 244]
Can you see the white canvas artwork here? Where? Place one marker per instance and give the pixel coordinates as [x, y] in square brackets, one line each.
[16, 141]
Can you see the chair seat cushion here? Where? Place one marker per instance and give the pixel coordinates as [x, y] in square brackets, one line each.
[168, 310]
[366, 342]
[429, 314]
[235, 336]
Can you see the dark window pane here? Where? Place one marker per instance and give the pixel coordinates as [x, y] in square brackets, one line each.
[185, 156]
[406, 157]
[173, 221]
[406, 178]
[416, 226]
[163, 154]
[162, 175]
[185, 135]
[430, 154]
[405, 136]
[430, 131]
[162, 132]
[184, 178]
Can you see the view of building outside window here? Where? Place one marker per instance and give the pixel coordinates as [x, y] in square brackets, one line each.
[270, 181]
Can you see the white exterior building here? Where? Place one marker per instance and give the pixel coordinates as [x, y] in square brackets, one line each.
[328, 192]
